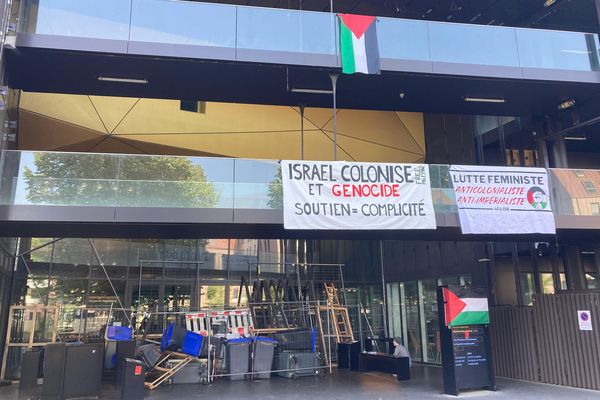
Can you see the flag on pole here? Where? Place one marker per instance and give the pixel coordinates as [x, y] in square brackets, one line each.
[358, 44]
[465, 306]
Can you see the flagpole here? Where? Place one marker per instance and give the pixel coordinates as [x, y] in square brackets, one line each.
[301, 106]
[334, 86]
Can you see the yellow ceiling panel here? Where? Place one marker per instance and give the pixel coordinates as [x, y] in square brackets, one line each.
[319, 116]
[415, 124]
[245, 145]
[153, 148]
[37, 132]
[87, 146]
[369, 152]
[113, 109]
[318, 146]
[375, 126]
[157, 126]
[164, 116]
[74, 109]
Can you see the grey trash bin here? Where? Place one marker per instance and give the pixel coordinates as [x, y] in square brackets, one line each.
[263, 354]
[237, 356]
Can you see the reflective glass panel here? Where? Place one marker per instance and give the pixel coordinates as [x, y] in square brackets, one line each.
[106, 19]
[392, 34]
[258, 184]
[285, 30]
[473, 44]
[558, 49]
[183, 22]
[413, 322]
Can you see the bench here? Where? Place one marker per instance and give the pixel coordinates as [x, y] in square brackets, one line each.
[383, 362]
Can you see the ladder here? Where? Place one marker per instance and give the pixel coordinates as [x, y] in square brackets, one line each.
[341, 323]
[332, 294]
[339, 320]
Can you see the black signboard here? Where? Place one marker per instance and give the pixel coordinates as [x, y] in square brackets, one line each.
[470, 356]
[466, 355]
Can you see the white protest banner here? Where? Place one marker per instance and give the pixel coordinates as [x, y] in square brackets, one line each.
[502, 199]
[367, 196]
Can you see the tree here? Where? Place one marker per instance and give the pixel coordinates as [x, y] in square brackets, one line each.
[276, 191]
[126, 181]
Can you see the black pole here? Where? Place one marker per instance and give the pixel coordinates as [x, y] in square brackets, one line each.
[334, 87]
[302, 107]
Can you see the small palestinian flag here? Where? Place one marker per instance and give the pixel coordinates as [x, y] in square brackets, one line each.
[466, 306]
[358, 43]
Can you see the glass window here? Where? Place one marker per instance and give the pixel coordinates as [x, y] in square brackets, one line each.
[72, 253]
[243, 255]
[547, 283]
[43, 254]
[148, 296]
[595, 207]
[394, 311]
[588, 258]
[527, 287]
[101, 294]
[506, 286]
[544, 257]
[453, 280]
[589, 186]
[113, 252]
[561, 267]
[372, 301]
[235, 300]
[466, 280]
[212, 296]
[430, 314]
[177, 298]
[413, 321]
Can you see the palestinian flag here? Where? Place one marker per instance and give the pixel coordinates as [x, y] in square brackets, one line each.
[358, 44]
[465, 306]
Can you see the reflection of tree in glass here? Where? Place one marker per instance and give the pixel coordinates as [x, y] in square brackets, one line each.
[276, 191]
[90, 179]
[215, 296]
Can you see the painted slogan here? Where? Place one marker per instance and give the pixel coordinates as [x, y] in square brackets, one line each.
[502, 199]
[367, 196]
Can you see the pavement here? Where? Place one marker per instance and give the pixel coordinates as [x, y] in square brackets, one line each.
[426, 383]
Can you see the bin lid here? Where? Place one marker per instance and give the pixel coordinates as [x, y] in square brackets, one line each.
[240, 340]
[265, 339]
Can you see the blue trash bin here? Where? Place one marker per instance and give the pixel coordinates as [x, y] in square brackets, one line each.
[173, 338]
[192, 344]
[119, 333]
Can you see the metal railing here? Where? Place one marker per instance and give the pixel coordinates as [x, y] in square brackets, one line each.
[124, 180]
[265, 29]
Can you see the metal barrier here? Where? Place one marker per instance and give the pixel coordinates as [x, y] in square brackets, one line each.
[513, 342]
[544, 343]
